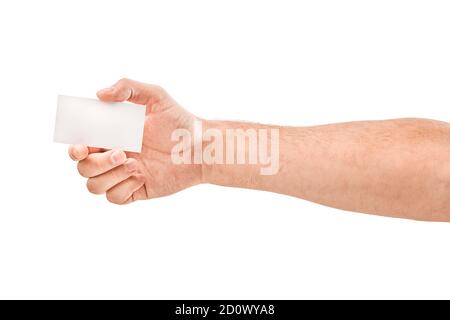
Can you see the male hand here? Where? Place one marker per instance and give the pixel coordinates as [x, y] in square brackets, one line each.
[129, 176]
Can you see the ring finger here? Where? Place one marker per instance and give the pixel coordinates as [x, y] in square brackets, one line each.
[102, 183]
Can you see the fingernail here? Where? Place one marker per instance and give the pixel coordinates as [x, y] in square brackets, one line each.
[118, 157]
[131, 165]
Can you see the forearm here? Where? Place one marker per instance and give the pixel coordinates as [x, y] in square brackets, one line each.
[394, 167]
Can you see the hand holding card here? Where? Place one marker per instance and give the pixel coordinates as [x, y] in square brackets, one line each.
[143, 126]
[99, 124]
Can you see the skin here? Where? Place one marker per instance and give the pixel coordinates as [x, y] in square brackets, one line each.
[396, 168]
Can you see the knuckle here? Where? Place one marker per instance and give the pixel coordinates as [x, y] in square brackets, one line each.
[118, 174]
[158, 94]
[100, 165]
[160, 91]
[123, 81]
[102, 162]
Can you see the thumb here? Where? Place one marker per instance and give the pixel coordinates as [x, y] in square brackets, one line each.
[136, 92]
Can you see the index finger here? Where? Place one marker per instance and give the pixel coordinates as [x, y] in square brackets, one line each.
[79, 152]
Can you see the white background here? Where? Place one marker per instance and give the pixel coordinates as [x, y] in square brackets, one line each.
[284, 62]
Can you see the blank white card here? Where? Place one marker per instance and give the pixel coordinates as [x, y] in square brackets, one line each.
[99, 124]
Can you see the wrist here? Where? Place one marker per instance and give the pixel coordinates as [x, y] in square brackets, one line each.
[208, 168]
[238, 154]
